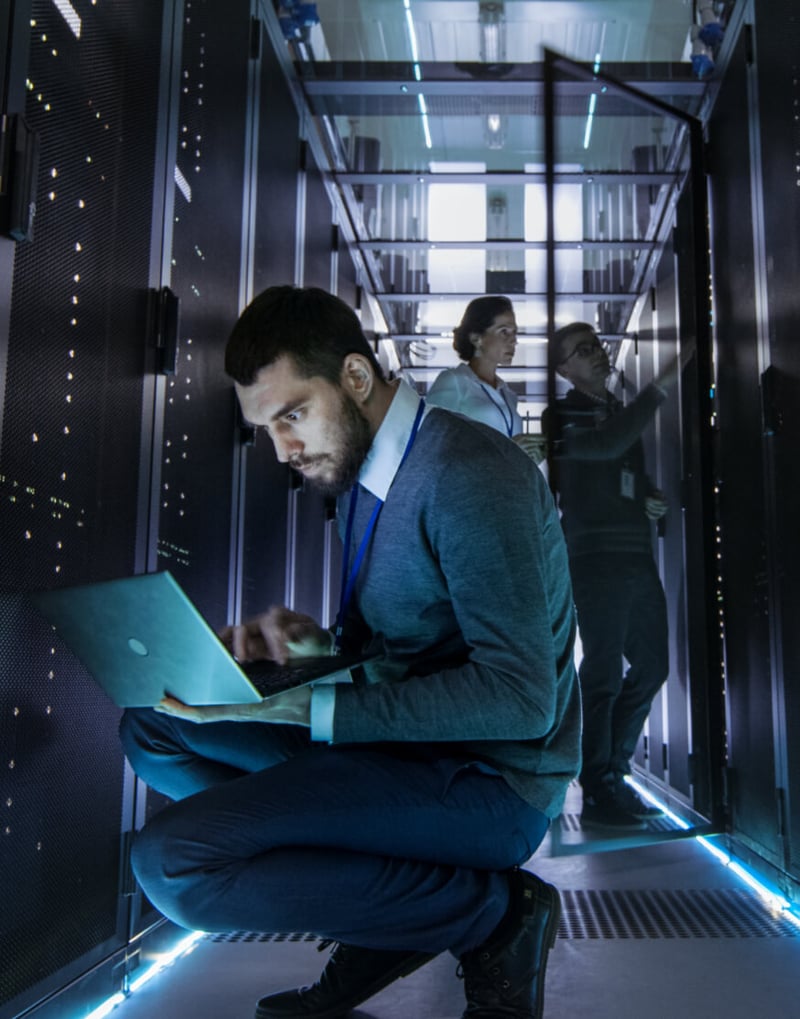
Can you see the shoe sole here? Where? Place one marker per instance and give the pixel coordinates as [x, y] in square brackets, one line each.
[401, 970]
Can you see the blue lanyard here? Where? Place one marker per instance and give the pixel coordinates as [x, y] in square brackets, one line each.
[508, 422]
[348, 582]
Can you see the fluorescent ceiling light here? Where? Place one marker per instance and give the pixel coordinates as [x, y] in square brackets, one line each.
[492, 27]
[587, 134]
[412, 38]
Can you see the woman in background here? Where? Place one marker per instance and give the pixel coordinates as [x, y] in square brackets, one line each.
[485, 339]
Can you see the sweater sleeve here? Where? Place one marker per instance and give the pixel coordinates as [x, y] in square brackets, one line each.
[609, 439]
[494, 546]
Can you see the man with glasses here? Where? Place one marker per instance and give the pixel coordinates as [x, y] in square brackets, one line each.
[608, 505]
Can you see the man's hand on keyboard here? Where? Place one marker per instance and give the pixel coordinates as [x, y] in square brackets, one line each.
[279, 634]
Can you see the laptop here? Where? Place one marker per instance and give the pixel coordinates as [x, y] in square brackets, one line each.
[141, 639]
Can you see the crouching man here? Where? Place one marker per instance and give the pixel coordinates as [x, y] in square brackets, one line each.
[392, 815]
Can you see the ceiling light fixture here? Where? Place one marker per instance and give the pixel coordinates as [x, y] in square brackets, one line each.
[492, 24]
[495, 131]
[587, 134]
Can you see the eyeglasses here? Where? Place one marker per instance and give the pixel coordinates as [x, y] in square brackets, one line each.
[584, 350]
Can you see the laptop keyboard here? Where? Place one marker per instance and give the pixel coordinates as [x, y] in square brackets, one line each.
[270, 678]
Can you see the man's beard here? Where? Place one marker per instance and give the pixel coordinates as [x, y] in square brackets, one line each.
[355, 440]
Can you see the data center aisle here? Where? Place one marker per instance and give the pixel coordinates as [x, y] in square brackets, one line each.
[662, 931]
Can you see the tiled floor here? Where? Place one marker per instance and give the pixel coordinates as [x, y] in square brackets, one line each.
[661, 930]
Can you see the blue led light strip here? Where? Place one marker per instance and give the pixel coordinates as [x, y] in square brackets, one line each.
[773, 898]
[164, 959]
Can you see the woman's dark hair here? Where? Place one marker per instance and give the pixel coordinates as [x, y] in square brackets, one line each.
[478, 316]
[314, 328]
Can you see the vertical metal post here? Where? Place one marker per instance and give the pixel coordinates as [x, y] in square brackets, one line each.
[246, 285]
[154, 383]
[714, 690]
[550, 253]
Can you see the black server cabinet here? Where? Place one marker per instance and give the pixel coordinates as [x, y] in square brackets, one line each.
[196, 492]
[288, 548]
[743, 521]
[311, 514]
[753, 143]
[665, 750]
[265, 482]
[778, 43]
[72, 423]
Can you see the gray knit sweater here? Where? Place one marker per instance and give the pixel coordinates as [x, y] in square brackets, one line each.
[466, 585]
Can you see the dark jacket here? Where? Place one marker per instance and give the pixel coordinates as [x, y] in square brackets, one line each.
[599, 471]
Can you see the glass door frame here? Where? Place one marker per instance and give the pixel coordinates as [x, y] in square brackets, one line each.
[708, 709]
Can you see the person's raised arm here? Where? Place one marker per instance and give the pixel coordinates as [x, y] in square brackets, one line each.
[668, 376]
[610, 438]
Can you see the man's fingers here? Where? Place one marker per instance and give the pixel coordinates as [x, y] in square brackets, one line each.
[276, 634]
[239, 643]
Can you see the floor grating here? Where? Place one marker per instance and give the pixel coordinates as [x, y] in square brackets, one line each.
[636, 914]
[641, 913]
[572, 823]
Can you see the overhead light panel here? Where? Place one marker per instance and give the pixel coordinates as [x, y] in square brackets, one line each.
[495, 132]
[587, 134]
[492, 26]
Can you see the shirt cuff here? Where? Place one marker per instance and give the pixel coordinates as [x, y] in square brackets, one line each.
[323, 702]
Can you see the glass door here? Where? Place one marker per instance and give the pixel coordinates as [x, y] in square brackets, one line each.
[623, 209]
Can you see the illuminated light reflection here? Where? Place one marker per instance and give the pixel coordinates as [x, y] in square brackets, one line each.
[588, 133]
[778, 904]
[412, 37]
[592, 104]
[70, 15]
[166, 959]
[162, 961]
[425, 127]
[183, 184]
[108, 1006]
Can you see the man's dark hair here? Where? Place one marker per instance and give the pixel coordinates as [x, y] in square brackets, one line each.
[560, 336]
[478, 316]
[314, 328]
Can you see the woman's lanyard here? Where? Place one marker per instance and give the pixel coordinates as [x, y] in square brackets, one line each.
[349, 582]
[507, 421]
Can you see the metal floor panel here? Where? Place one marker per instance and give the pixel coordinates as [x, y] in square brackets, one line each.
[662, 931]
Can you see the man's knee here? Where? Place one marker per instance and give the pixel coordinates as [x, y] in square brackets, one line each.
[167, 880]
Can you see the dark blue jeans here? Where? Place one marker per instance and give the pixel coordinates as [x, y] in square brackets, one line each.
[382, 846]
[621, 612]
